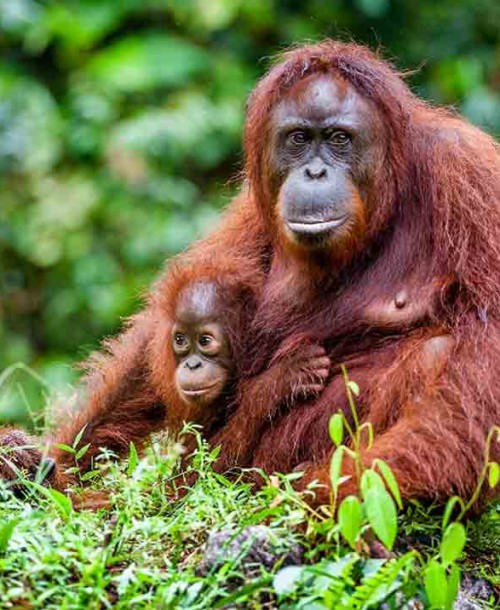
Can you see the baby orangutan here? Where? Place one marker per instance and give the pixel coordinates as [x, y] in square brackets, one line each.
[207, 378]
[200, 343]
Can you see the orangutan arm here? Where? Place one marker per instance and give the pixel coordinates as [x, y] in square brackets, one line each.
[436, 446]
[297, 373]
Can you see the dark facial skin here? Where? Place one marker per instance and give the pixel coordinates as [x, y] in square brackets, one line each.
[200, 345]
[327, 147]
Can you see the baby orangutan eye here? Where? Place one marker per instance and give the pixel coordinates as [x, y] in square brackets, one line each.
[180, 340]
[205, 340]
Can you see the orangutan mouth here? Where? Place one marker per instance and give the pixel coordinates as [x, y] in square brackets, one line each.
[315, 227]
[194, 392]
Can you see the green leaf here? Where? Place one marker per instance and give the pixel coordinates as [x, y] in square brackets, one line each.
[350, 519]
[287, 580]
[6, 531]
[382, 515]
[371, 480]
[327, 573]
[436, 585]
[82, 451]
[354, 387]
[66, 448]
[453, 586]
[390, 480]
[493, 474]
[88, 476]
[62, 502]
[78, 437]
[336, 468]
[369, 430]
[453, 543]
[336, 428]
[450, 505]
[133, 459]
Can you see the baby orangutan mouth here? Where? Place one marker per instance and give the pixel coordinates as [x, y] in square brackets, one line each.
[201, 392]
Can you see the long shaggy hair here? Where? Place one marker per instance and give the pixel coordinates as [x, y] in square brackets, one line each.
[434, 211]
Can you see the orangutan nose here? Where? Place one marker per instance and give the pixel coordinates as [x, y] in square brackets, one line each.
[315, 170]
[193, 363]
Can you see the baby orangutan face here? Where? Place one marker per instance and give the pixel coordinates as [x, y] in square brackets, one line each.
[200, 345]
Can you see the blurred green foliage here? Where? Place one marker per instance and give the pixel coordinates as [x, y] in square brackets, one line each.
[120, 127]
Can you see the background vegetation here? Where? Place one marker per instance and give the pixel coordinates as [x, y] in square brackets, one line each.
[120, 126]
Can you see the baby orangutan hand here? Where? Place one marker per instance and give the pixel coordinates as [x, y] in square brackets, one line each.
[298, 370]
[301, 371]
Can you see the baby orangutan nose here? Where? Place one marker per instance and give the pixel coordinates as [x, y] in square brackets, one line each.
[193, 363]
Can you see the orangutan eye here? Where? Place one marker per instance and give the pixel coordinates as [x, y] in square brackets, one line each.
[339, 138]
[205, 340]
[298, 137]
[180, 340]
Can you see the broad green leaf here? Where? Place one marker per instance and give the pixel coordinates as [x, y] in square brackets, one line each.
[382, 515]
[336, 428]
[354, 387]
[436, 585]
[350, 519]
[453, 586]
[453, 543]
[6, 531]
[339, 568]
[371, 480]
[493, 474]
[372, 566]
[336, 468]
[327, 572]
[287, 579]
[390, 480]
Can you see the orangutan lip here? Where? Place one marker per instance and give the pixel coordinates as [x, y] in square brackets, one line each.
[199, 391]
[315, 227]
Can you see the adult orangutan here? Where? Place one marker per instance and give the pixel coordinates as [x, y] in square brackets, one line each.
[375, 200]
[375, 220]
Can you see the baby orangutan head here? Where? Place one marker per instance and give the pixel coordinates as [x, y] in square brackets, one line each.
[201, 345]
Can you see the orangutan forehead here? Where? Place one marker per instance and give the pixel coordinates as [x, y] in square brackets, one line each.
[322, 99]
[199, 302]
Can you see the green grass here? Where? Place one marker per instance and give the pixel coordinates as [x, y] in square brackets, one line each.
[144, 551]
